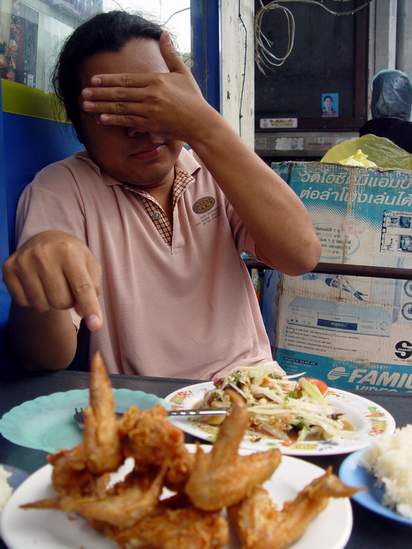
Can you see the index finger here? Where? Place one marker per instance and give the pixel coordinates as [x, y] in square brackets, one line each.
[117, 93]
[125, 80]
[85, 292]
[172, 58]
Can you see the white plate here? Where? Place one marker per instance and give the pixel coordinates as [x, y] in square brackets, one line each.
[48, 529]
[368, 419]
[16, 477]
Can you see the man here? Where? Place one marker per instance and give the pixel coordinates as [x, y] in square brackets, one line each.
[391, 108]
[138, 236]
[328, 107]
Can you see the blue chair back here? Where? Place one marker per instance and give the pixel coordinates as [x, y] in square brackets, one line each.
[31, 136]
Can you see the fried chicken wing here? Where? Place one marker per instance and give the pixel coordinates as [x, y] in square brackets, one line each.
[124, 506]
[186, 528]
[70, 475]
[151, 439]
[260, 525]
[80, 470]
[128, 420]
[180, 467]
[222, 477]
[101, 437]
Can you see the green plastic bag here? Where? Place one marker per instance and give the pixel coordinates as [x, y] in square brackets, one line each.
[383, 152]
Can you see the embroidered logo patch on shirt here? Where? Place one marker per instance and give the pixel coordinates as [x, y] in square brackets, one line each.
[203, 204]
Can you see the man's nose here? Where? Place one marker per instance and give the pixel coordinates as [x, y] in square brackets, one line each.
[153, 137]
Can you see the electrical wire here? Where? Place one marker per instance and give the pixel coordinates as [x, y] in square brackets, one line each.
[322, 5]
[242, 89]
[266, 59]
[173, 14]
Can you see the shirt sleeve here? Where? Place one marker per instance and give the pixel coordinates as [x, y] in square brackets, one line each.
[243, 239]
[51, 202]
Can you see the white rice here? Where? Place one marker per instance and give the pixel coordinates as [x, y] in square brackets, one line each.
[390, 459]
[5, 490]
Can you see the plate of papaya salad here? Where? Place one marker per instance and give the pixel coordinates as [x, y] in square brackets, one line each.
[302, 417]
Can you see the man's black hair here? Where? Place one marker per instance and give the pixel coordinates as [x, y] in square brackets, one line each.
[104, 32]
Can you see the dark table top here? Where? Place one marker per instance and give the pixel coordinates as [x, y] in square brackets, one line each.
[370, 531]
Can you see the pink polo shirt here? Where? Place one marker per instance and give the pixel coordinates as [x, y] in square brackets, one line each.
[185, 309]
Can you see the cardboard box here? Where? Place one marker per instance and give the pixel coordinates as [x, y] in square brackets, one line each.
[353, 332]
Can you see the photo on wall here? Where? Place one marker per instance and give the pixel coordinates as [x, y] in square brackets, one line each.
[329, 104]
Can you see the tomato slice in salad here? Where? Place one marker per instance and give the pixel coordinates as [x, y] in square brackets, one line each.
[321, 385]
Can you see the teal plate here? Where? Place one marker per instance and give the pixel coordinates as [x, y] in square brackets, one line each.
[46, 423]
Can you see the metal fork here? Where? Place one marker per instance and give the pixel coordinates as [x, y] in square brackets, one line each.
[295, 376]
[78, 415]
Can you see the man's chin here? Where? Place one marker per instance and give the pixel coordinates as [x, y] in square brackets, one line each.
[149, 177]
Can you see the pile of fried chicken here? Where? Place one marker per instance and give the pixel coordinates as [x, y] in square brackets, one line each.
[132, 513]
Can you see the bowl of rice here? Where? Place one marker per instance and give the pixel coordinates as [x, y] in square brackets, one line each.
[384, 469]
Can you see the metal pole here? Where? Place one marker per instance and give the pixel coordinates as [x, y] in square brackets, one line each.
[349, 270]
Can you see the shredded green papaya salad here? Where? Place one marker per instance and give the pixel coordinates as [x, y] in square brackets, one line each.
[279, 407]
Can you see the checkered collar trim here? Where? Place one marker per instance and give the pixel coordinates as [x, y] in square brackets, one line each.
[155, 210]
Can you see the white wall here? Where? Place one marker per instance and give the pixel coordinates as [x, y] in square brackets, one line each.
[233, 42]
[384, 25]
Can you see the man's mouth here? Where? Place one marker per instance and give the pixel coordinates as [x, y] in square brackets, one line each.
[148, 152]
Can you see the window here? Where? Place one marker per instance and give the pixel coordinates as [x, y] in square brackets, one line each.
[33, 31]
[323, 84]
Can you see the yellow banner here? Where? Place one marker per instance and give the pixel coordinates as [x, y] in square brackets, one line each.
[26, 101]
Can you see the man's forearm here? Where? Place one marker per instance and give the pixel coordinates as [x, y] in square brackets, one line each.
[274, 215]
[42, 340]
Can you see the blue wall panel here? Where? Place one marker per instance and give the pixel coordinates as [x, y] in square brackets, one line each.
[206, 48]
[4, 233]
